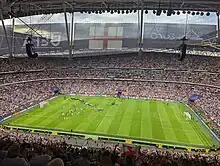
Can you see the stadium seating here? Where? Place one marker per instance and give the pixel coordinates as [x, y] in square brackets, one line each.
[25, 82]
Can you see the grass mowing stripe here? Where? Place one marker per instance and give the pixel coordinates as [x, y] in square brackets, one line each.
[26, 118]
[55, 121]
[157, 130]
[117, 119]
[95, 123]
[200, 134]
[146, 125]
[168, 131]
[88, 119]
[177, 127]
[45, 114]
[192, 134]
[107, 120]
[82, 117]
[125, 124]
[198, 137]
[135, 129]
[33, 119]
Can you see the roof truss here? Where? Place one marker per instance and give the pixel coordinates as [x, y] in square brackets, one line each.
[33, 7]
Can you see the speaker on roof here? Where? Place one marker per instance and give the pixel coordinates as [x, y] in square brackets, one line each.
[169, 12]
[159, 11]
[182, 55]
[30, 49]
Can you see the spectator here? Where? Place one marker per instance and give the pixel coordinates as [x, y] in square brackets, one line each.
[13, 157]
[83, 159]
[56, 162]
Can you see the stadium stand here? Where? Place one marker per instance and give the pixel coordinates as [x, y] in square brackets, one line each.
[25, 82]
[30, 147]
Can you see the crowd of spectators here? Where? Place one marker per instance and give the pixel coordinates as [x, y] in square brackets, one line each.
[26, 149]
[151, 60]
[195, 69]
[147, 74]
[25, 82]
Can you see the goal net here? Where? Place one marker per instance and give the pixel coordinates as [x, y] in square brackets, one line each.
[42, 104]
[187, 116]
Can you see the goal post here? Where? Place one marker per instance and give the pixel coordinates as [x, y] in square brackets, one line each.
[187, 116]
[42, 104]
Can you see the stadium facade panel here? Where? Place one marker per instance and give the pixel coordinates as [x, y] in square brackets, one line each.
[105, 36]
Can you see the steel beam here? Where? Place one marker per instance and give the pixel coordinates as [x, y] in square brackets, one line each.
[67, 30]
[6, 35]
[13, 15]
[72, 35]
[13, 37]
[141, 29]
[71, 31]
[146, 2]
[218, 29]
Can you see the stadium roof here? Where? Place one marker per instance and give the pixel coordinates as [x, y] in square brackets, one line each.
[33, 7]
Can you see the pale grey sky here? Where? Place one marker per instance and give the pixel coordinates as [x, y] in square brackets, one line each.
[119, 18]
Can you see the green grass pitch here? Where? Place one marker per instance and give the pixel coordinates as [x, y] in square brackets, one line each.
[138, 119]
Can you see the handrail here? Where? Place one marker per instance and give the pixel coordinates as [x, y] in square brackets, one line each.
[110, 68]
[108, 79]
[149, 140]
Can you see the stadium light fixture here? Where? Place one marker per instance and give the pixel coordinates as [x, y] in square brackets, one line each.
[159, 10]
[169, 12]
[207, 14]
[158, 13]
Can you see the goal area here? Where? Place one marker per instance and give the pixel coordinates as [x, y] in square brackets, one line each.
[187, 116]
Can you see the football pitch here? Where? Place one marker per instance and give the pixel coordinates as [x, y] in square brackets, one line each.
[136, 119]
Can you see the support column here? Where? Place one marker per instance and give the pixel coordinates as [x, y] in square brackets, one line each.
[140, 51]
[218, 29]
[67, 29]
[141, 29]
[12, 37]
[72, 35]
[5, 32]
